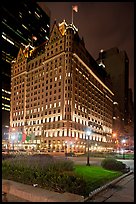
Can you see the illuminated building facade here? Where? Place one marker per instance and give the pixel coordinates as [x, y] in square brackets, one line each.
[18, 28]
[58, 93]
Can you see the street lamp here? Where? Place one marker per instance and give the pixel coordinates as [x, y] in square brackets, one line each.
[66, 149]
[88, 134]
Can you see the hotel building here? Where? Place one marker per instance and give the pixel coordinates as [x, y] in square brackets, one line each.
[59, 93]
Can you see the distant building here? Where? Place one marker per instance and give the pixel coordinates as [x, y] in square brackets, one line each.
[59, 93]
[129, 127]
[116, 64]
[22, 24]
[130, 105]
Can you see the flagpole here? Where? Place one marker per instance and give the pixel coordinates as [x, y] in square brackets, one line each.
[72, 14]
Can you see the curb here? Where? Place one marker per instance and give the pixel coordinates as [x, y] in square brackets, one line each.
[98, 190]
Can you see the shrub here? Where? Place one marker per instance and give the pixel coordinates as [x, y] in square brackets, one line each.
[7, 156]
[45, 162]
[34, 168]
[113, 164]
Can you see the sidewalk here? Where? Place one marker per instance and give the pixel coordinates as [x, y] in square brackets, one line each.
[12, 198]
[122, 191]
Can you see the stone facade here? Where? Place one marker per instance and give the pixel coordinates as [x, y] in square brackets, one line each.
[58, 94]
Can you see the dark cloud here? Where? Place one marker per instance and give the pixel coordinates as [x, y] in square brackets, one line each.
[102, 24]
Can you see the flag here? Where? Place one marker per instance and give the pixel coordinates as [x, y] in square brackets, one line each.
[28, 138]
[34, 37]
[23, 137]
[75, 8]
[20, 136]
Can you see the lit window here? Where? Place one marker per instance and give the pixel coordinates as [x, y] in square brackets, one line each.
[24, 26]
[44, 30]
[37, 15]
[20, 14]
[5, 38]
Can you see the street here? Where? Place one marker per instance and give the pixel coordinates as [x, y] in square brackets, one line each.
[128, 162]
[97, 161]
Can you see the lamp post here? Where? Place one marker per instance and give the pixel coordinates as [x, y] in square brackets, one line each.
[66, 149]
[88, 134]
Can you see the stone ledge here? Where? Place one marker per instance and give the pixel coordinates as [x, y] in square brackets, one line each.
[35, 194]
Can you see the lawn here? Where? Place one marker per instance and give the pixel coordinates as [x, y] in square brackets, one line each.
[96, 176]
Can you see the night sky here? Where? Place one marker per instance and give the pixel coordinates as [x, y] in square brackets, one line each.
[103, 25]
